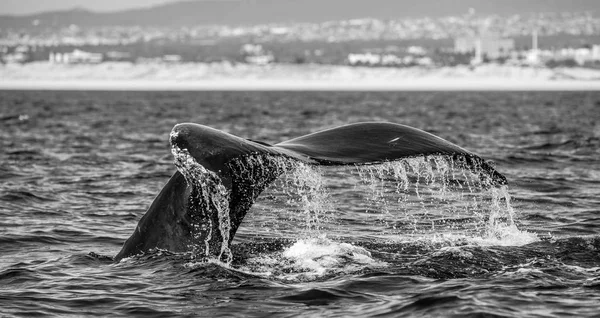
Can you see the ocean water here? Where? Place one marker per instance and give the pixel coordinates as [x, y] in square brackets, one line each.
[414, 237]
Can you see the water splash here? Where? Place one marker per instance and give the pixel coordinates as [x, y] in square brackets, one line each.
[308, 190]
[413, 198]
[418, 193]
[501, 228]
[424, 197]
[208, 195]
[311, 258]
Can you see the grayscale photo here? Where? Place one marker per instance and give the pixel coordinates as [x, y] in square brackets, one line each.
[315, 158]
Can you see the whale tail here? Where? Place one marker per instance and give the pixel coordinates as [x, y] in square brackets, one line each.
[220, 175]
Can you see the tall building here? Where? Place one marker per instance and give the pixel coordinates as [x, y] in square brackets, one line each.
[533, 57]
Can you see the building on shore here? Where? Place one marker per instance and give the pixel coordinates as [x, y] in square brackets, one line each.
[364, 59]
[387, 59]
[256, 54]
[581, 56]
[485, 46]
[76, 57]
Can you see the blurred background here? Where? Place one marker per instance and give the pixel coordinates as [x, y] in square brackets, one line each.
[311, 40]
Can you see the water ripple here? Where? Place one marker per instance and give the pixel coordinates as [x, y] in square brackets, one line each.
[78, 169]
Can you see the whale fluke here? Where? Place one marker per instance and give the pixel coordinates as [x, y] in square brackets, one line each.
[220, 175]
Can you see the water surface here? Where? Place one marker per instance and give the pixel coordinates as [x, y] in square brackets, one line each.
[78, 170]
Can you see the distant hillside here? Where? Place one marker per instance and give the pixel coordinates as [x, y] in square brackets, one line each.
[245, 12]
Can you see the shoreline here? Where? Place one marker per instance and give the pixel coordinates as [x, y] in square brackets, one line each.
[274, 85]
[310, 77]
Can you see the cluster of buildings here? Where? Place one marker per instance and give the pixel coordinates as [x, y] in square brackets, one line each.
[480, 38]
[484, 48]
[256, 54]
[475, 50]
[78, 56]
[20, 54]
[494, 47]
[579, 23]
[582, 23]
[373, 59]
[74, 35]
[411, 56]
[251, 54]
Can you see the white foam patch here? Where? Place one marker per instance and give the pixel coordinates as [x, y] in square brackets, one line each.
[507, 235]
[317, 257]
[324, 253]
[311, 258]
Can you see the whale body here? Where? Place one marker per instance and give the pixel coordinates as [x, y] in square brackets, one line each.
[219, 176]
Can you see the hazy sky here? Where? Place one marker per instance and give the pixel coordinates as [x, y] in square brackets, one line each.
[35, 6]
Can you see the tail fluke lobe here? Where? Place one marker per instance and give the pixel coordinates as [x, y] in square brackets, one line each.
[478, 165]
[372, 142]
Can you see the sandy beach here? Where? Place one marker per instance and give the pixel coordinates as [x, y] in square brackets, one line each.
[228, 76]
